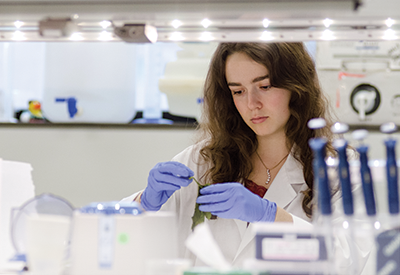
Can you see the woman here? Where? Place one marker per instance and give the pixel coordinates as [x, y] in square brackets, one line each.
[254, 149]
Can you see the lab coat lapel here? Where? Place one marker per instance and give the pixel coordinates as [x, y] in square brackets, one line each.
[282, 192]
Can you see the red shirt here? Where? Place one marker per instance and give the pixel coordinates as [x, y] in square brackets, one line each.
[255, 188]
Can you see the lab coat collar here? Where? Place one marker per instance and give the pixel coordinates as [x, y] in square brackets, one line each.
[286, 185]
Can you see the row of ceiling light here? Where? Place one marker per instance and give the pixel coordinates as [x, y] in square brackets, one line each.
[180, 31]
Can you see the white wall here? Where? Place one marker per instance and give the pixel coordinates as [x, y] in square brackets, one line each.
[86, 164]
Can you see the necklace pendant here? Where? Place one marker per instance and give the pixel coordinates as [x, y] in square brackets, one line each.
[269, 177]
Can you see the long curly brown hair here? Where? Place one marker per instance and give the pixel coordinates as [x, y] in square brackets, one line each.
[231, 142]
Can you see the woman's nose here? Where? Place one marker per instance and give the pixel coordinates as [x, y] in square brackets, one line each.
[254, 100]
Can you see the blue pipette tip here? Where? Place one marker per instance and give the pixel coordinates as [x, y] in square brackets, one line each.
[316, 123]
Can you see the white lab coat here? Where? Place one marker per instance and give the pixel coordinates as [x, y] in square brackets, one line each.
[235, 237]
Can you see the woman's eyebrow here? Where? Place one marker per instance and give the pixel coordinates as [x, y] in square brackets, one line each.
[257, 79]
[233, 84]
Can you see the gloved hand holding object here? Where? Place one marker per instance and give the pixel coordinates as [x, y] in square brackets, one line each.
[234, 201]
[164, 179]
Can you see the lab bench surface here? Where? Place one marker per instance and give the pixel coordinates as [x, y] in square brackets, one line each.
[101, 125]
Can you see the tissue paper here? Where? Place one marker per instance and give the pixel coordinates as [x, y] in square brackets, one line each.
[202, 244]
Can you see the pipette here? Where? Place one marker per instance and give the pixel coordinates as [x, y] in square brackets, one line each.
[340, 144]
[365, 171]
[318, 145]
[321, 181]
[391, 167]
[387, 258]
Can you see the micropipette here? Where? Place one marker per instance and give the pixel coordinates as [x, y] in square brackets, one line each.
[321, 181]
[365, 171]
[391, 167]
[318, 146]
[387, 258]
[340, 144]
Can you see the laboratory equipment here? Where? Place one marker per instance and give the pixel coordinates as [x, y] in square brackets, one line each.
[282, 248]
[360, 77]
[391, 167]
[16, 188]
[183, 80]
[323, 193]
[57, 27]
[343, 171]
[321, 182]
[116, 238]
[369, 98]
[365, 172]
[137, 33]
[41, 226]
[340, 145]
[388, 252]
[380, 192]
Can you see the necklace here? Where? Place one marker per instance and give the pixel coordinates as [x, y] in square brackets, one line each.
[269, 169]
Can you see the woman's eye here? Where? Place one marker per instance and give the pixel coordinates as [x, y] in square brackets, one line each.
[236, 92]
[265, 87]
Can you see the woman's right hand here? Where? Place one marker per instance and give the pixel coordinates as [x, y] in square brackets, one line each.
[164, 179]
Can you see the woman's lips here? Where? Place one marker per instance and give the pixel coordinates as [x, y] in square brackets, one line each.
[260, 119]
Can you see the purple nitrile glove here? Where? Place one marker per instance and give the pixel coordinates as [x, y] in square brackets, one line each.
[164, 179]
[232, 200]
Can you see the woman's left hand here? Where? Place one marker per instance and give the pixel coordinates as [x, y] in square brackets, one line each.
[232, 200]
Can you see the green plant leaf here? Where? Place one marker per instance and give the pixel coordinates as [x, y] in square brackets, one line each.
[198, 216]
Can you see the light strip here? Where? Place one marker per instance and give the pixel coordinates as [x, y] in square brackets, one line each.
[105, 24]
[266, 36]
[76, 36]
[18, 36]
[390, 35]
[389, 22]
[206, 23]
[206, 36]
[105, 36]
[266, 23]
[18, 24]
[328, 35]
[176, 23]
[176, 36]
[327, 22]
[230, 35]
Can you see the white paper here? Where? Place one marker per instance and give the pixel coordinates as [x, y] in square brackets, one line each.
[16, 188]
[202, 244]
